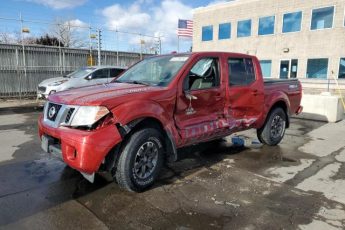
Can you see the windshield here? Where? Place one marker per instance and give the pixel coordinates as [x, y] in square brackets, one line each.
[83, 72]
[155, 71]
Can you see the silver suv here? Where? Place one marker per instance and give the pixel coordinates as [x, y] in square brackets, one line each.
[84, 76]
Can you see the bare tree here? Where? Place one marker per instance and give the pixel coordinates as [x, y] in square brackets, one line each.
[6, 37]
[16, 38]
[70, 34]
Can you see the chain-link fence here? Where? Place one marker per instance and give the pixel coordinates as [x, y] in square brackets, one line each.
[31, 51]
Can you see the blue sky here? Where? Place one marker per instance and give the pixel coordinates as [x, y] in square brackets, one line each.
[141, 16]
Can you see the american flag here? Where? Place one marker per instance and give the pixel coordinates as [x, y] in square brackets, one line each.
[185, 28]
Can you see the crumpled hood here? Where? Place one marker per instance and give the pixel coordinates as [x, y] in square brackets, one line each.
[108, 95]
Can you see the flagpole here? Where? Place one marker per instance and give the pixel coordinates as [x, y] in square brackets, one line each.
[178, 43]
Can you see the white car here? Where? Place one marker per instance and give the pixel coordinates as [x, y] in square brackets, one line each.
[84, 76]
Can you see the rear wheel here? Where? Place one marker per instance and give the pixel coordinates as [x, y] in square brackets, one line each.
[140, 161]
[274, 129]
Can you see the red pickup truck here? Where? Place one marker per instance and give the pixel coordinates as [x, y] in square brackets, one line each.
[132, 125]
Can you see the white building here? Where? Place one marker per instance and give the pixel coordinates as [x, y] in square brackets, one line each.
[296, 38]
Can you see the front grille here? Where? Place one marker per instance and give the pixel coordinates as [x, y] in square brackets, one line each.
[52, 111]
[69, 115]
[41, 89]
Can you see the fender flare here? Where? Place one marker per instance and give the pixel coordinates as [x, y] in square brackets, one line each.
[127, 118]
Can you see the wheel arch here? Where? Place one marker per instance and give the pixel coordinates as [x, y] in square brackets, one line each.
[135, 125]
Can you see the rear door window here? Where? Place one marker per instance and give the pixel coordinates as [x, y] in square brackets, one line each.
[115, 72]
[241, 71]
[101, 73]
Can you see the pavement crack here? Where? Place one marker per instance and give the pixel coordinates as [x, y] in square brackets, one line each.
[92, 212]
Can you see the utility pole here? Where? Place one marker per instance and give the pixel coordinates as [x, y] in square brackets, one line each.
[24, 59]
[99, 46]
[178, 43]
[142, 42]
[160, 45]
[117, 47]
[90, 61]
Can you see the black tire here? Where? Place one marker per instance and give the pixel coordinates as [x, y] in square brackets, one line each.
[142, 151]
[274, 129]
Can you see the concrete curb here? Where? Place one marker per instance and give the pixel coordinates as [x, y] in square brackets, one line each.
[21, 106]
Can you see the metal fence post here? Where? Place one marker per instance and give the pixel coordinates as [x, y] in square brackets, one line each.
[63, 62]
[60, 58]
[17, 67]
[99, 46]
[24, 61]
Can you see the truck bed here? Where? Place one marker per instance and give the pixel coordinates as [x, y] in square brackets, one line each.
[290, 87]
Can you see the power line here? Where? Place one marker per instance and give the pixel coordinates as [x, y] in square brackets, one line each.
[76, 26]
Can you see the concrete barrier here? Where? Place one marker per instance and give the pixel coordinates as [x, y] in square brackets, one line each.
[324, 107]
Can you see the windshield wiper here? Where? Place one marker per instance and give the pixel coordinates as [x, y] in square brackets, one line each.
[138, 82]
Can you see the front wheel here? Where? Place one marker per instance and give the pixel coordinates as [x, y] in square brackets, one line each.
[274, 129]
[140, 161]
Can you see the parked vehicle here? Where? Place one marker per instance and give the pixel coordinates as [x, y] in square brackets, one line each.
[84, 76]
[131, 126]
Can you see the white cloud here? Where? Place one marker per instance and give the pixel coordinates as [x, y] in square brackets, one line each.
[131, 18]
[76, 23]
[59, 4]
[143, 16]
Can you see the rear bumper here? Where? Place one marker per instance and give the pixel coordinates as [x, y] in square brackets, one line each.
[82, 150]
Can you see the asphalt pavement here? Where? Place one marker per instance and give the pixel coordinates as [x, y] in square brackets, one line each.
[296, 185]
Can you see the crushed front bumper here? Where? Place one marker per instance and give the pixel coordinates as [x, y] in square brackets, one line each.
[80, 149]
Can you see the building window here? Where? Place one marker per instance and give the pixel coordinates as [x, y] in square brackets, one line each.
[224, 31]
[342, 68]
[266, 68]
[207, 33]
[322, 18]
[317, 68]
[292, 22]
[244, 28]
[266, 25]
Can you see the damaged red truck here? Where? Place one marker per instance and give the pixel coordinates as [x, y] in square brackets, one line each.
[132, 125]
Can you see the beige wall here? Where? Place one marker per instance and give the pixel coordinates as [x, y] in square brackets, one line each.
[327, 43]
